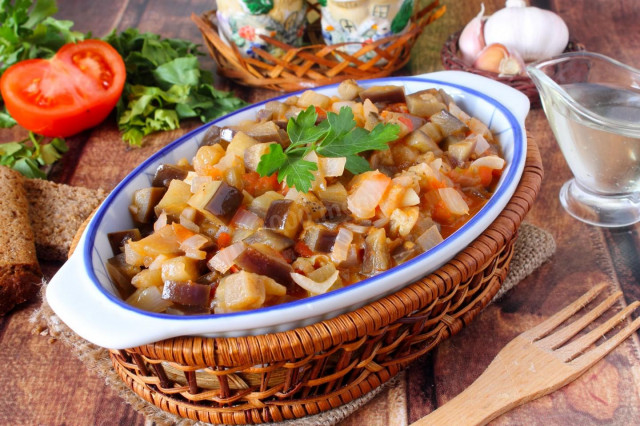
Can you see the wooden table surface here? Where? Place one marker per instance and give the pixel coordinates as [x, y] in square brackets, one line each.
[42, 383]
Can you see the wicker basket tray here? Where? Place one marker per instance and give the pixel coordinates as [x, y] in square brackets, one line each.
[315, 64]
[307, 370]
[452, 61]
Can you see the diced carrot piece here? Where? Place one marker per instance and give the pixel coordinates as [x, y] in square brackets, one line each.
[181, 232]
[486, 175]
[224, 240]
[302, 249]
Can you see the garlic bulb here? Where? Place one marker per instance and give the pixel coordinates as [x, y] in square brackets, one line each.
[534, 33]
[471, 40]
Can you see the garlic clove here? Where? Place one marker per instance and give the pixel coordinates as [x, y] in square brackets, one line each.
[471, 40]
[498, 59]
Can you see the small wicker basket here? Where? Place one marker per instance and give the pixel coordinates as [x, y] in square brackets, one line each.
[451, 60]
[315, 64]
[292, 374]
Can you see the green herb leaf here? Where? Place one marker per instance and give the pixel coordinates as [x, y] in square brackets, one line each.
[26, 156]
[337, 136]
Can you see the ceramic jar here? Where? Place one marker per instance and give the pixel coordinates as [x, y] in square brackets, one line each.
[243, 21]
[363, 21]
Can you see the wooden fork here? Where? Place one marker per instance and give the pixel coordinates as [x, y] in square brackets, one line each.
[536, 363]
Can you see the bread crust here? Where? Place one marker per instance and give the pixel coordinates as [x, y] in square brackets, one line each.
[20, 275]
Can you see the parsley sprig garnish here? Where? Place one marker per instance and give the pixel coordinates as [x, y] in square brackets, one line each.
[337, 136]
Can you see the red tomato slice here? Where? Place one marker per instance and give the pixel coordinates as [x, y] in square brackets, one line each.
[73, 91]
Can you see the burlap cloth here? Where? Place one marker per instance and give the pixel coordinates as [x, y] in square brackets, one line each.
[532, 248]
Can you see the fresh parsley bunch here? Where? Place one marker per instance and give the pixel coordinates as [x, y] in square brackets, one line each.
[164, 85]
[337, 136]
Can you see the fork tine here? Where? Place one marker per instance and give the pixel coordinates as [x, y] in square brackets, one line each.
[551, 323]
[560, 337]
[589, 358]
[573, 349]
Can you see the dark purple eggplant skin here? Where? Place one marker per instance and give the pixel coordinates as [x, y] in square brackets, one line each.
[253, 260]
[166, 173]
[118, 239]
[225, 202]
[218, 135]
[383, 94]
[186, 293]
[320, 239]
[279, 218]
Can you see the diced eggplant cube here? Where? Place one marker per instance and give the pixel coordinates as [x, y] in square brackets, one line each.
[276, 241]
[376, 252]
[259, 262]
[460, 151]
[217, 198]
[349, 90]
[218, 135]
[284, 216]
[121, 274]
[265, 132]
[166, 173]
[425, 103]
[144, 203]
[448, 124]
[383, 94]
[422, 142]
[186, 293]
[118, 239]
[319, 239]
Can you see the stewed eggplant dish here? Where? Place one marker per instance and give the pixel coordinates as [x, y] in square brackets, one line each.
[317, 193]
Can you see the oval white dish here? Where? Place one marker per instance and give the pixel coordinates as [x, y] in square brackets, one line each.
[83, 296]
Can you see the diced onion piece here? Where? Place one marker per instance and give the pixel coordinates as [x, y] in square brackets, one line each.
[191, 246]
[292, 194]
[479, 128]
[189, 178]
[313, 286]
[453, 201]
[158, 261]
[430, 238]
[132, 257]
[340, 249]
[148, 299]
[246, 219]
[410, 198]
[189, 224]
[458, 113]
[366, 192]
[358, 229]
[381, 222]
[332, 166]
[223, 260]
[161, 222]
[490, 161]
[198, 181]
[481, 145]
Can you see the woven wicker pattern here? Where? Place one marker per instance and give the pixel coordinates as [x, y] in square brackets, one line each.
[315, 64]
[292, 374]
[452, 61]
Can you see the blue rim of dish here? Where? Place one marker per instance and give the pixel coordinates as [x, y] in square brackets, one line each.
[518, 154]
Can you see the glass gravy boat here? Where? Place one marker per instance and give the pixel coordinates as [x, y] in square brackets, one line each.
[593, 106]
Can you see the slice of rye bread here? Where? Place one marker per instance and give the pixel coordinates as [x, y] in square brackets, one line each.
[57, 211]
[20, 275]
